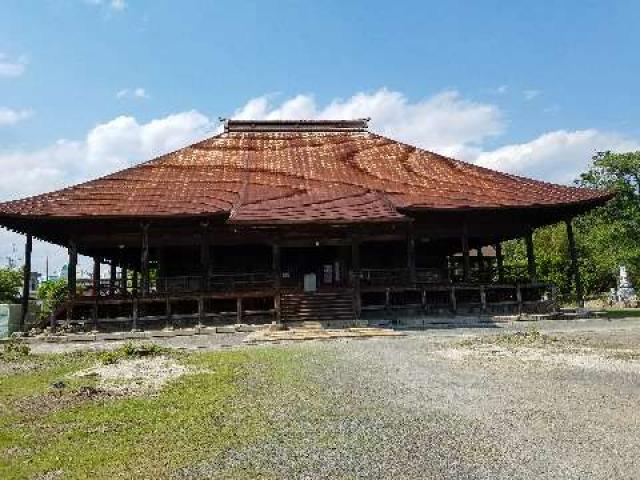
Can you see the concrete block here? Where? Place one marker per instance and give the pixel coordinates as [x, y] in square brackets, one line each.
[226, 329]
[82, 338]
[56, 339]
[208, 331]
[243, 327]
[106, 337]
[162, 334]
[136, 335]
[185, 332]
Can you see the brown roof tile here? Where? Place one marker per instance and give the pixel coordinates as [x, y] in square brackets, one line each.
[270, 176]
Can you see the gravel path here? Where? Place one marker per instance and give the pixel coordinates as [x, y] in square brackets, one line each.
[430, 406]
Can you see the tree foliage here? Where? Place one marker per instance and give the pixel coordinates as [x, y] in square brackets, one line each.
[606, 238]
[10, 285]
[53, 293]
[610, 236]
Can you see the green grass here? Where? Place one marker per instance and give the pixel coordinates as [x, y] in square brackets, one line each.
[194, 418]
[623, 312]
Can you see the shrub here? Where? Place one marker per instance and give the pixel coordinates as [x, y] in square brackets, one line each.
[15, 349]
[10, 284]
[53, 293]
[131, 350]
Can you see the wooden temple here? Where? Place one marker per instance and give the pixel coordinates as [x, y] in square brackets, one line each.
[298, 220]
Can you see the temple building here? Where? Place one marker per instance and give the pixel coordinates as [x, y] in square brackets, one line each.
[298, 220]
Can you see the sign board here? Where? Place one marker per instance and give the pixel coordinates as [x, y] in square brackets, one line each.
[310, 284]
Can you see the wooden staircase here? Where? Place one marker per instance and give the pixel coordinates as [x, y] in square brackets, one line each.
[317, 307]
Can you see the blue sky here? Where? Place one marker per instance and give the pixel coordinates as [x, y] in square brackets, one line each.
[89, 86]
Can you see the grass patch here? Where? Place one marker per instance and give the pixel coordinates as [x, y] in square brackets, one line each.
[14, 350]
[194, 418]
[530, 337]
[132, 350]
[623, 312]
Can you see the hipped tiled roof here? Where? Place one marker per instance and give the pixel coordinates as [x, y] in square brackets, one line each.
[297, 175]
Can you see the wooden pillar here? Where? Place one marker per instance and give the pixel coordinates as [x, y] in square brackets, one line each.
[519, 298]
[483, 299]
[94, 314]
[168, 313]
[239, 310]
[575, 269]
[144, 260]
[481, 265]
[161, 279]
[466, 265]
[162, 262]
[135, 313]
[26, 281]
[96, 276]
[387, 300]
[124, 278]
[531, 258]
[277, 279]
[500, 262]
[355, 269]
[200, 311]
[205, 257]
[71, 277]
[453, 300]
[411, 255]
[134, 282]
[112, 278]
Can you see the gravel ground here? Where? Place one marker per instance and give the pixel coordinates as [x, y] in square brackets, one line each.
[186, 342]
[454, 404]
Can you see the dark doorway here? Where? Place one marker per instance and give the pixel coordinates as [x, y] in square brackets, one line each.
[329, 265]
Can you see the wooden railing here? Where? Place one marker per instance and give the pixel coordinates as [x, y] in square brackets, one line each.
[262, 280]
[384, 277]
[106, 289]
[432, 276]
[217, 282]
[389, 277]
[511, 274]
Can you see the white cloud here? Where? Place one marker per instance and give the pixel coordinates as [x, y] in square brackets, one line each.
[116, 143]
[107, 147]
[555, 156]
[9, 116]
[136, 93]
[531, 94]
[117, 5]
[12, 68]
[444, 122]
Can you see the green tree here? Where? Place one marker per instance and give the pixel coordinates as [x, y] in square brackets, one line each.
[610, 236]
[606, 238]
[10, 285]
[53, 293]
[552, 258]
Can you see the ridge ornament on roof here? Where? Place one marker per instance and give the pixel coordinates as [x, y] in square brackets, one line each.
[359, 125]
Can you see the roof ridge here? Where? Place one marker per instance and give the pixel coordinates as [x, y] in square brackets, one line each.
[355, 125]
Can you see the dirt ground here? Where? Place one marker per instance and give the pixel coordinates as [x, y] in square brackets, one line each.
[543, 400]
[554, 399]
